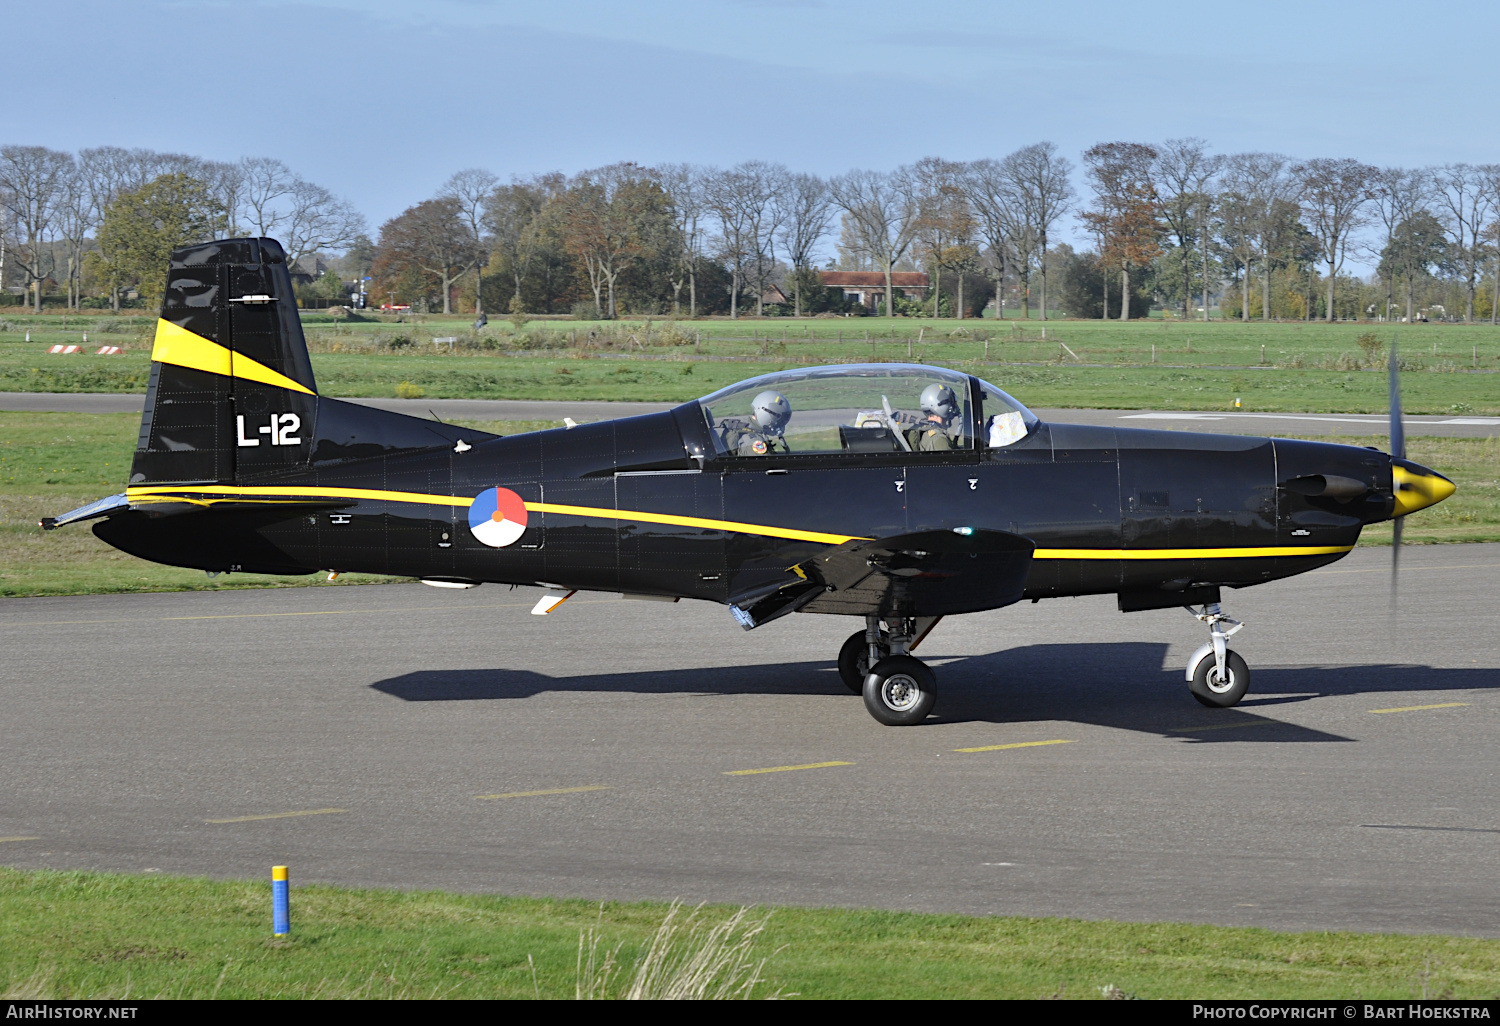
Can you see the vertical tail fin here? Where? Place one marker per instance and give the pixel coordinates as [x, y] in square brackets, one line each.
[232, 395]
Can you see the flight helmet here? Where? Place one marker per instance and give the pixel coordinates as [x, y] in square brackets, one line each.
[771, 411]
[941, 400]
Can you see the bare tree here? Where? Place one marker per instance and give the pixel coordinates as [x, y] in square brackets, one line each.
[273, 201]
[807, 207]
[1237, 223]
[999, 219]
[1397, 194]
[33, 180]
[1334, 192]
[765, 224]
[685, 184]
[76, 221]
[743, 199]
[1265, 184]
[1467, 201]
[317, 220]
[882, 212]
[1182, 168]
[472, 188]
[1042, 178]
[265, 183]
[944, 220]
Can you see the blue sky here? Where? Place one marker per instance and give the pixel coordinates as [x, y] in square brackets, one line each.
[380, 100]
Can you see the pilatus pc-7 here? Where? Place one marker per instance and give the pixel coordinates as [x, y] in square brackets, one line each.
[896, 493]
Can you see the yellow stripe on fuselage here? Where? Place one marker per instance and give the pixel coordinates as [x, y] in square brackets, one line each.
[180, 347]
[1244, 552]
[723, 525]
[221, 493]
[208, 495]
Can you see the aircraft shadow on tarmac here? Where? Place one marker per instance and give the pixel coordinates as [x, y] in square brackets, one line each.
[1121, 685]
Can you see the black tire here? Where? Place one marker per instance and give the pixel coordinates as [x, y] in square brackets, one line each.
[1210, 691]
[899, 691]
[854, 660]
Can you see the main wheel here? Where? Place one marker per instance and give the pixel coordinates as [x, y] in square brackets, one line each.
[1210, 690]
[854, 660]
[899, 691]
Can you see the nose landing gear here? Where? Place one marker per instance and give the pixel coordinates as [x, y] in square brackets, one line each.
[1217, 676]
[898, 688]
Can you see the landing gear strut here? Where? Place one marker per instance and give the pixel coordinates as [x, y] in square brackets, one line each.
[855, 659]
[898, 688]
[1217, 676]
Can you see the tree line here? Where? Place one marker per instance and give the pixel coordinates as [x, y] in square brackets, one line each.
[106, 219]
[1172, 225]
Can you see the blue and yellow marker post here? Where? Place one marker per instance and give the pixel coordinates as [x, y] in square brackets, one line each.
[281, 915]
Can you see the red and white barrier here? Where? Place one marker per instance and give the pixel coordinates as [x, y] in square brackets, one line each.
[66, 349]
[109, 351]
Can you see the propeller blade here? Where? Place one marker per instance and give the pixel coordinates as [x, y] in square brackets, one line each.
[1398, 430]
[1396, 526]
[1398, 450]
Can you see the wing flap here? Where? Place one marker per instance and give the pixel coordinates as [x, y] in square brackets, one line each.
[923, 574]
[927, 573]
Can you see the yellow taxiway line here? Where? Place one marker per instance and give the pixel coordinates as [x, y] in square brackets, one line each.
[553, 790]
[1018, 744]
[4, 839]
[1419, 708]
[784, 769]
[277, 815]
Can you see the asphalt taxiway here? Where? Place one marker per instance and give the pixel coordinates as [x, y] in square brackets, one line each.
[404, 736]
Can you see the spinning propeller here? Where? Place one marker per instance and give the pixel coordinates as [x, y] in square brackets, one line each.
[1413, 487]
[1398, 452]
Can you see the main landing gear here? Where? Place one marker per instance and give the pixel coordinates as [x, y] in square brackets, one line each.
[876, 662]
[1217, 676]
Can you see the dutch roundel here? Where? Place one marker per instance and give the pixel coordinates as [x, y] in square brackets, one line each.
[497, 517]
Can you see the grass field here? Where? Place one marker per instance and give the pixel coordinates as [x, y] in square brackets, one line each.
[53, 462]
[1163, 364]
[78, 935]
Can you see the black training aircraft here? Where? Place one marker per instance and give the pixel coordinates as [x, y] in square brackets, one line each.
[893, 492]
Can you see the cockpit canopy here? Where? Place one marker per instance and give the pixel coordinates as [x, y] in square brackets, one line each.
[876, 407]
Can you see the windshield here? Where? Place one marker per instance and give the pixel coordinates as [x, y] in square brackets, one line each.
[1005, 420]
[852, 408]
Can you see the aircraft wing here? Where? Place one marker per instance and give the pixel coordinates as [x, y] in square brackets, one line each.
[928, 573]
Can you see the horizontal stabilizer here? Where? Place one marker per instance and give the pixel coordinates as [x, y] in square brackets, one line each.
[102, 508]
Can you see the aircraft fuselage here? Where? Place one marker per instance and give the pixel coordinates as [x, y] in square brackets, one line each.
[629, 506]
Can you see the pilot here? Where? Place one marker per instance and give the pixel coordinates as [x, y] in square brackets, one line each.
[940, 429]
[763, 431]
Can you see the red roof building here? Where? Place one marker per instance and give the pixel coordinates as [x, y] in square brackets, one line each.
[869, 286]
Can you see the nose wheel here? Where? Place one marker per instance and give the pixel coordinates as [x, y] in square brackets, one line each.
[1217, 675]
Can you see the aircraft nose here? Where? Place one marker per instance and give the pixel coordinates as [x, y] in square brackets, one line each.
[1415, 487]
